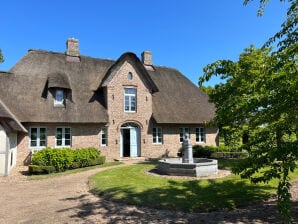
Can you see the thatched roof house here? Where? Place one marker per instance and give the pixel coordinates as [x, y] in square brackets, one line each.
[90, 90]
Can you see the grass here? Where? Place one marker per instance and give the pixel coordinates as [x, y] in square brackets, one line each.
[67, 172]
[132, 186]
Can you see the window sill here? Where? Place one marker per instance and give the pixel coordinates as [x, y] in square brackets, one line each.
[63, 146]
[157, 143]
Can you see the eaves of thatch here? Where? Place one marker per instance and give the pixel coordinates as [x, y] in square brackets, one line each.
[9, 120]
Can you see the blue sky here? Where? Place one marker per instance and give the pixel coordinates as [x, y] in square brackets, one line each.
[184, 34]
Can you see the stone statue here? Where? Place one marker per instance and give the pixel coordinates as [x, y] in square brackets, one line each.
[187, 156]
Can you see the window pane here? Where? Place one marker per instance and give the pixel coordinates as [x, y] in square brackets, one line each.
[67, 136]
[59, 142]
[42, 143]
[67, 130]
[59, 96]
[33, 143]
[42, 134]
[67, 142]
[33, 134]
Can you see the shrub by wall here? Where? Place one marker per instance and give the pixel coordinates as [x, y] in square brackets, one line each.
[221, 151]
[65, 158]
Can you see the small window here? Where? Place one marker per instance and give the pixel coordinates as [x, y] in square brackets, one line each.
[200, 135]
[182, 132]
[104, 136]
[130, 100]
[38, 137]
[157, 135]
[129, 76]
[59, 97]
[63, 137]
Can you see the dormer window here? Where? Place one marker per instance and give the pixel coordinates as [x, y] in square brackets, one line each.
[59, 97]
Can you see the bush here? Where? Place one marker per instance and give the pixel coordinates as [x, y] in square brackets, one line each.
[35, 169]
[202, 151]
[66, 158]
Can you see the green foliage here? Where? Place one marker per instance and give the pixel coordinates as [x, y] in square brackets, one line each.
[200, 151]
[37, 170]
[206, 89]
[66, 158]
[261, 93]
[221, 151]
[1, 56]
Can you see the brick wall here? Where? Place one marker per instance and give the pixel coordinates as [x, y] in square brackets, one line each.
[83, 136]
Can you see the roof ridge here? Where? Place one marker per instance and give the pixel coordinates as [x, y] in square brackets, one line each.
[61, 53]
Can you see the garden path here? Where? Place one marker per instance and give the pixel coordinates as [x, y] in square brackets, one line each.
[66, 199]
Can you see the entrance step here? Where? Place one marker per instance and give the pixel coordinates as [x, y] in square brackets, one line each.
[123, 159]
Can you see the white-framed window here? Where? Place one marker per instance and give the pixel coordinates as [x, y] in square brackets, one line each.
[182, 132]
[130, 100]
[157, 135]
[200, 134]
[104, 136]
[63, 137]
[38, 137]
[59, 97]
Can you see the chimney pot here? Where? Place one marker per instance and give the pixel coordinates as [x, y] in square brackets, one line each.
[147, 58]
[72, 47]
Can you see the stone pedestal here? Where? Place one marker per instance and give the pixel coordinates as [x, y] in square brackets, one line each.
[187, 156]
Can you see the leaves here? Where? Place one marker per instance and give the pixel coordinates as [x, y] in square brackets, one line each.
[1, 57]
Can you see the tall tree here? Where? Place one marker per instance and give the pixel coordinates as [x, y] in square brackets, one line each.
[1, 57]
[261, 91]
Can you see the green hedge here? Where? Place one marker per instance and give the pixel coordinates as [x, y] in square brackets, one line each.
[35, 169]
[65, 158]
[216, 152]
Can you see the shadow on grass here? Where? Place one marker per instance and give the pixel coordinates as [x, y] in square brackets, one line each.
[189, 196]
[111, 212]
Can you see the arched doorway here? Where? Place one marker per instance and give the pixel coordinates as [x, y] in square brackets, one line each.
[130, 140]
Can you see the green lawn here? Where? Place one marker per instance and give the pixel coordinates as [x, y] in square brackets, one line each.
[67, 172]
[132, 186]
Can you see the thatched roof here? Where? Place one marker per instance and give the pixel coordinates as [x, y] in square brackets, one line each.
[58, 80]
[178, 100]
[139, 67]
[175, 98]
[9, 120]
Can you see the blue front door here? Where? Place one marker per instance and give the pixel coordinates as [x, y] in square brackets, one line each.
[129, 142]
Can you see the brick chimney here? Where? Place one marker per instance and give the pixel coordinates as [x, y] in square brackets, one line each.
[72, 47]
[147, 58]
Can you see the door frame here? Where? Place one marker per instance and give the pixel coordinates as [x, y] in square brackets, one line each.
[130, 127]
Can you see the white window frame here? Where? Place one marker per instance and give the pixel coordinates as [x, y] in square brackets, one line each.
[56, 101]
[200, 134]
[182, 131]
[104, 131]
[37, 137]
[156, 140]
[130, 95]
[63, 138]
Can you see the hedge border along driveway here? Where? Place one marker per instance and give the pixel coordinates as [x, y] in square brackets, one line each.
[67, 199]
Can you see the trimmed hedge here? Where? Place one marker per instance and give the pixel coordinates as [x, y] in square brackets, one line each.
[63, 159]
[35, 169]
[216, 152]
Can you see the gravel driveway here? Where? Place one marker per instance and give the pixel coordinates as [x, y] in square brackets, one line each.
[67, 199]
